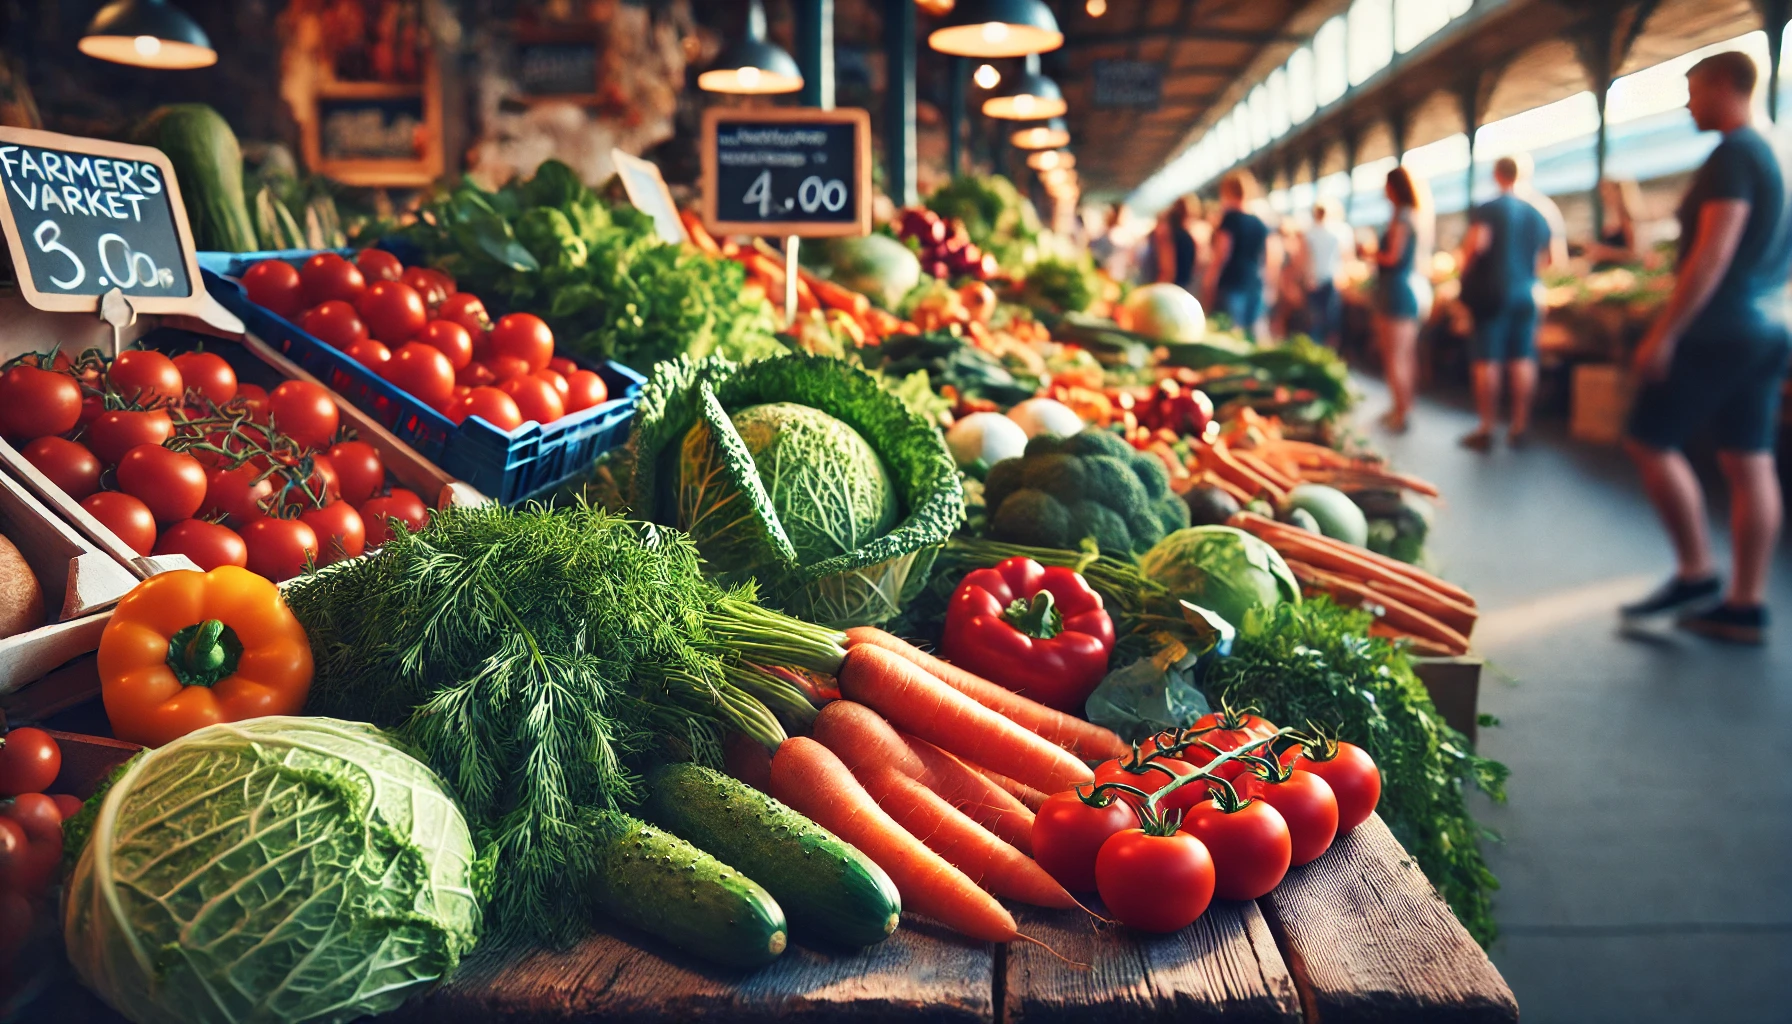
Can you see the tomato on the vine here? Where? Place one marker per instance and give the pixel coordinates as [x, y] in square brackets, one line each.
[254, 398]
[68, 464]
[327, 276]
[37, 816]
[379, 265]
[392, 311]
[125, 516]
[29, 761]
[147, 378]
[171, 484]
[491, 405]
[1249, 843]
[1068, 834]
[209, 374]
[1351, 773]
[239, 493]
[432, 286]
[209, 545]
[275, 286]
[402, 505]
[305, 412]
[37, 403]
[359, 470]
[335, 323]
[451, 338]
[279, 548]
[1306, 804]
[585, 389]
[116, 431]
[340, 531]
[1229, 730]
[1154, 883]
[535, 398]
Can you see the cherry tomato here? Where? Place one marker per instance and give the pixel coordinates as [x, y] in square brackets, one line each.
[393, 311]
[1354, 780]
[453, 339]
[1306, 803]
[125, 516]
[1154, 883]
[68, 464]
[275, 286]
[254, 397]
[36, 813]
[1227, 735]
[1068, 833]
[535, 398]
[585, 389]
[29, 761]
[465, 309]
[379, 265]
[208, 373]
[558, 382]
[320, 488]
[359, 470]
[474, 375]
[279, 548]
[16, 922]
[15, 846]
[237, 493]
[372, 354]
[209, 545]
[563, 366]
[525, 336]
[37, 403]
[1250, 847]
[424, 372]
[432, 286]
[491, 405]
[327, 276]
[1165, 771]
[305, 412]
[116, 431]
[401, 505]
[67, 803]
[506, 367]
[335, 323]
[171, 484]
[29, 870]
[340, 532]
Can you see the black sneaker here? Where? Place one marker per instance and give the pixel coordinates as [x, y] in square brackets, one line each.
[1675, 595]
[1729, 623]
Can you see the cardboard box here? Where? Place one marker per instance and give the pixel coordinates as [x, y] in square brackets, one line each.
[1600, 403]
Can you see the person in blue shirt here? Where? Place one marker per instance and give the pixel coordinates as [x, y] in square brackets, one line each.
[1402, 291]
[1234, 278]
[1716, 358]
[1507, 243]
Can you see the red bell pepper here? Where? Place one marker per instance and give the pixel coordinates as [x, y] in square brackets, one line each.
[1038, 631]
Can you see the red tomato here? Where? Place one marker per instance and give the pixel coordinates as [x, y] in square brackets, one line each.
[125, 516]
[379, 265]
[491, 405]
[1250, 847]
[275, 286]
[465, 309]
[1306, 803]
[424, 372]
[67, 803]
[116, 431]
[305, 412]
[279, 548]
[506, 367]
[320, 488]
[585, 389]
[535, 398]
[171, 484]
[1154, 883]
[207, 373]
[147, 378]
[68, 464]
[255, 398]
[37, 816]
[1227, 735]
[393, 311]
[340, 532]
[359, 470]
[335, 323]
[237, 493]
[15, 846]
[401, 505]
[557, 381]
[432, 286]
[16, 921]
[37, 403]
[563, 366]
[209, 545]
[453, 339]
[1354, 780]
[474, 375]
[1068, 833]
[372, 354]
[525, 336]
[1166, 770]
[328, 276]
[29, 761]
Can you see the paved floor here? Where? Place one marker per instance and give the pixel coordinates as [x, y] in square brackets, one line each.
[1645, 865]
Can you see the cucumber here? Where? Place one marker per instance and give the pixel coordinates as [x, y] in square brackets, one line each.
[830, 890]
[663, 885]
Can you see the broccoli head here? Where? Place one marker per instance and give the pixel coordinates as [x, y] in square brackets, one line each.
[1091, 484]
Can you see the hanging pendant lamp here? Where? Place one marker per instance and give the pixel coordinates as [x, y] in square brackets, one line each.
[1031, 97]
[753, 66]
[997, 28]
[1051, 159]
[147, 34]
[1052, 134]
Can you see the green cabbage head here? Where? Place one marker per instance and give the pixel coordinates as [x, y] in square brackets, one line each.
[280, 869]
[1222, 569]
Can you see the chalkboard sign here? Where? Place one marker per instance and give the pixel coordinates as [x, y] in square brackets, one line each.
[1128, 83]
[375, 128]
[83, 217]
[794, 171]
[558, 69]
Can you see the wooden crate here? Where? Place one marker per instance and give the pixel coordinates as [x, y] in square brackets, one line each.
[1455, 687]
[1600, 403]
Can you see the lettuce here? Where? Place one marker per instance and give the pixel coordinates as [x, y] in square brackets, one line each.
[1224, 569]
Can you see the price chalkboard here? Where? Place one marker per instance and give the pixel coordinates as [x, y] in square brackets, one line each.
[794, 171]
[83, 216]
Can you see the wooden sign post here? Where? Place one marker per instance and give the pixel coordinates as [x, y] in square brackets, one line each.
[797, 172]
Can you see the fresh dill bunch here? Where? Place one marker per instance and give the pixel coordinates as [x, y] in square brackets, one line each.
[535, 658]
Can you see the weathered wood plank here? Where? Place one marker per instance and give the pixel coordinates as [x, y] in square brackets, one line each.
[922, 973]
[1369, 939]
[1223, 968]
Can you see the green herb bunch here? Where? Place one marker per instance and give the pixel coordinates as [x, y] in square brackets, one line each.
[1316, 662]
[533, 658]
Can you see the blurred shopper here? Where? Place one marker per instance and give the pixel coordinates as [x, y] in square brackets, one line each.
[1290, 291]
[1717, 356]
[1113, 258]
[1507, 242]
[1616, 245]
[1322, 260]
[1402, 291]
[1170, 258]
[1235, 273]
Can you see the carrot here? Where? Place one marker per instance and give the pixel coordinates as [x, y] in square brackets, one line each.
[1420, 646]
[1084, 739]
[906, 695]
[1030, 798]
[970, 791]
[860, 738]
[700, 236]
[834, 296]
[883, 323]
[995, 866]
[1355, 569]
[1383, 566]
[1218, 458]
[1250, 460]
[1395, 613]
[808, 777]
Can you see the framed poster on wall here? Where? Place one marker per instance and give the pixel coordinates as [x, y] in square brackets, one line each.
[367, 93]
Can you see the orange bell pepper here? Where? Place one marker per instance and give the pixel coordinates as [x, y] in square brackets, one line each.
[188, 649]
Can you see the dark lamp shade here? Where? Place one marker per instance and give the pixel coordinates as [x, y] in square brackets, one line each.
[148, 34]
[1052, 134]
[1030, 98]
[754, 67]
[997, 28]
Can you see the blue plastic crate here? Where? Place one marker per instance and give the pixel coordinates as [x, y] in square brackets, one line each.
[510, 467]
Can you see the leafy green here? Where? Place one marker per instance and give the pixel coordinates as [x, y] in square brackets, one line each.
[950, 360]
[1089, 485]
[281, 869]
[1316, 662]
[1057, 284]
[1223, 568]
[997, 217]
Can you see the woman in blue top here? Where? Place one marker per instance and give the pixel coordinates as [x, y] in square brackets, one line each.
[1234, 279]
[1402, 292]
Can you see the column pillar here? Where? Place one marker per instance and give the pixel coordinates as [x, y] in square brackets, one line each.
[815, 52]
[899, 101]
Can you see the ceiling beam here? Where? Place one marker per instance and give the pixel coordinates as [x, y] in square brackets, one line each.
[1247, 37]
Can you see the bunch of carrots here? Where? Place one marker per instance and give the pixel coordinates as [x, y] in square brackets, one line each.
[1411, 604]
[1272, 467]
